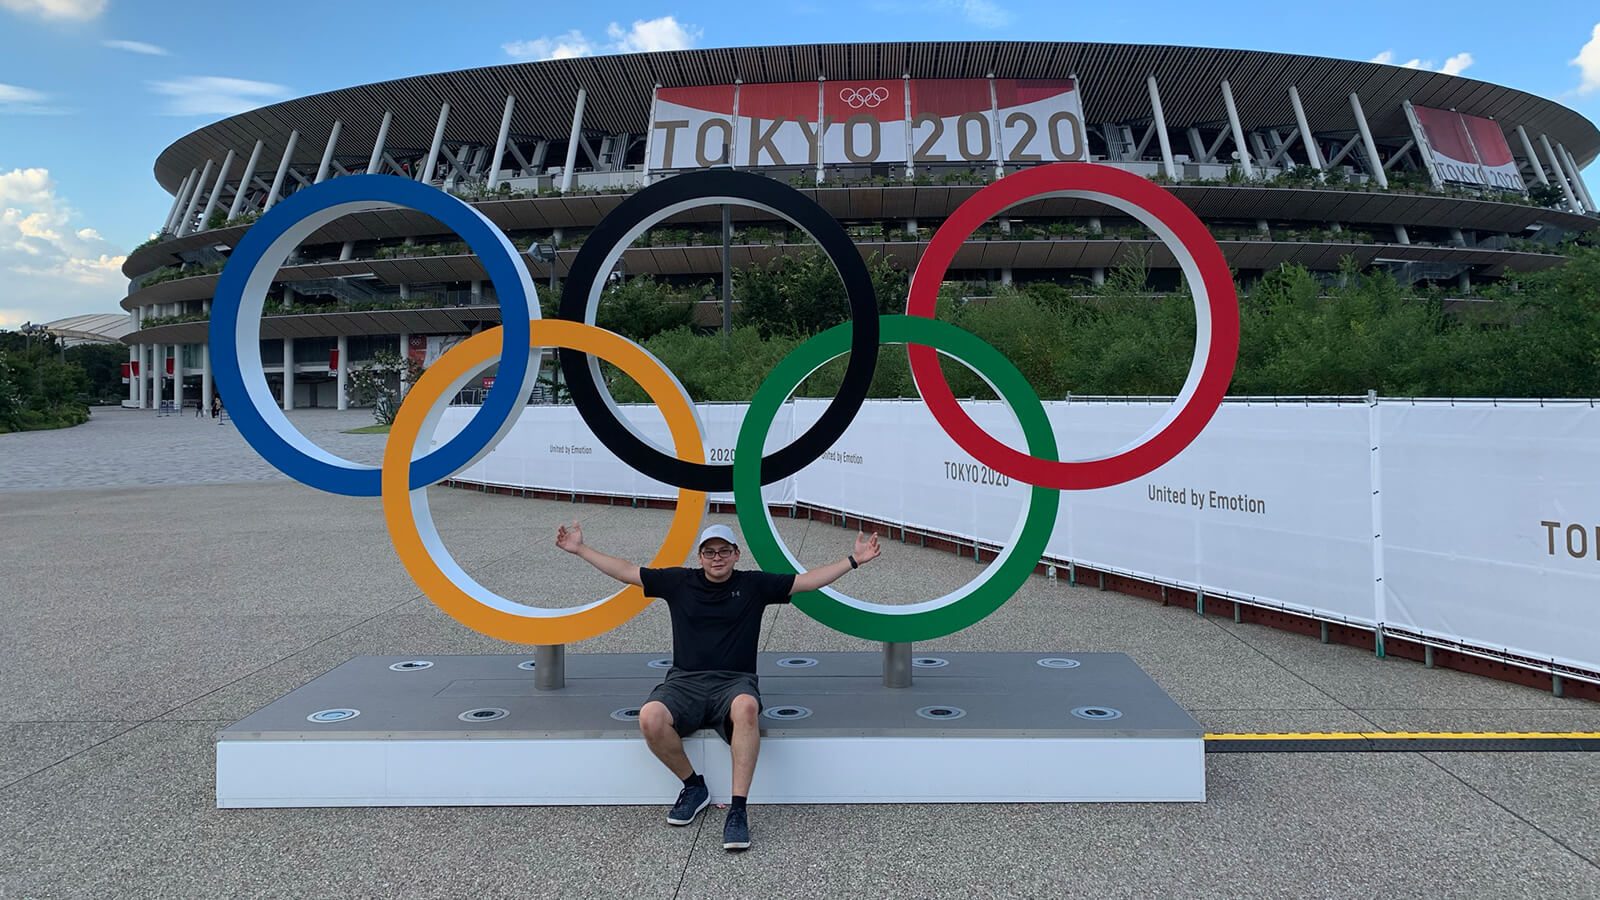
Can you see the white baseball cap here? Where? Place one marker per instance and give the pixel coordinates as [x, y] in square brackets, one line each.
[716, 532]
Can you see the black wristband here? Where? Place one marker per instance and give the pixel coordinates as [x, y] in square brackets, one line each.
[853, 563]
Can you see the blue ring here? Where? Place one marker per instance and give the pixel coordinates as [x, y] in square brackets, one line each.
[506, 272]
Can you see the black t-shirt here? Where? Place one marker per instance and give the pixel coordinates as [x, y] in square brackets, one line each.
[715, 627]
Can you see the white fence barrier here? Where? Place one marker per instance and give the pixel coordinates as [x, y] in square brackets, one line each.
[1476, 525]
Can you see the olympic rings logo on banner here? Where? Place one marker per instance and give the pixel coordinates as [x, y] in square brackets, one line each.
[864, 97]
[406, 472]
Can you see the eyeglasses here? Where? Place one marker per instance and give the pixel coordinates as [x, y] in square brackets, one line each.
[718, 553]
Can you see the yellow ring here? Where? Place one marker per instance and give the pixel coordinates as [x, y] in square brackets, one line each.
[407, 516]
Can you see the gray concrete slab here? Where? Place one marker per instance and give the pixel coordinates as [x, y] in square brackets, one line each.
[1358, 679]
[135, 817]
[1544, 790]
[30, 747]
[1273, 825]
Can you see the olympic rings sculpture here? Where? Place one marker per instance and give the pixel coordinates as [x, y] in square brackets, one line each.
[406, 472]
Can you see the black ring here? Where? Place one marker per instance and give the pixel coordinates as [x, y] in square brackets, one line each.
[711, 186]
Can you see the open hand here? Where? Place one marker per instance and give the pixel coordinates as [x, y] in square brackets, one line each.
[570, 537]
[866, 547]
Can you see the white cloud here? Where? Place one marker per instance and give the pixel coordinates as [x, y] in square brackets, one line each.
[21, 101]
[50, 267]
[81, 10]
[136, 47]
[1588, 63]
[209, 95]
[562, 46]
[653, 35]
[983, 13]
[1455, 65]
[643, 36]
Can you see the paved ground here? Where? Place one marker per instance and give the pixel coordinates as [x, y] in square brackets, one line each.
[170, 592]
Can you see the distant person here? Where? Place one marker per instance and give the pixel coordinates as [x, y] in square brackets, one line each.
[216, 405]
[716, 627]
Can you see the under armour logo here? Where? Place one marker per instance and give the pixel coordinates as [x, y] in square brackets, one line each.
[864, 97]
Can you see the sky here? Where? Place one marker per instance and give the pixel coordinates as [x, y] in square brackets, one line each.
[91, 91]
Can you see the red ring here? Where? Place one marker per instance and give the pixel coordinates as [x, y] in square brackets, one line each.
[1216, 281]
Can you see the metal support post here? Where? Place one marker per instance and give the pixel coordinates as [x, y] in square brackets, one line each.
[194, 199]
[178, 200]
[1561, 177]
[1324, 631]
[1238, 613]
[426, 174]
[375, 161]
[244, 181]
[1199, 601]
[897, 664]
[549, 667]
[1576, 177]
[572, 141]
[1427, 656]
[1306, 140]
[1374, 165]
[1557, 685]
[1533, 158]
[1168, 165]
[1377, 643]
[1239, 143]
[500, 141]
[283, 169]
[326, 165]
[216, 193]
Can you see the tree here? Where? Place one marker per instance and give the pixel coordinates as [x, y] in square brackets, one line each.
[376, 382]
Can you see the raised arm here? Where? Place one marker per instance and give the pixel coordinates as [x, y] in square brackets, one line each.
[865, 551]
[570, 539]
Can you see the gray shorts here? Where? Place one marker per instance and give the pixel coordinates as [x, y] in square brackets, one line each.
[703, 699]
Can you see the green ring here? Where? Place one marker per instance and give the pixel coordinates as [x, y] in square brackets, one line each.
[876, 621]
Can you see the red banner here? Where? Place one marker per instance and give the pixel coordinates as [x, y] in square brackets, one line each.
[169, 365]
[333, 360]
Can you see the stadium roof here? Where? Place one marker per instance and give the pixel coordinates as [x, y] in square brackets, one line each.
[1113, 78]
[95, 328]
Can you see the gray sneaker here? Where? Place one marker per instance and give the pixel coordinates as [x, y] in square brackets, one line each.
[691, 800]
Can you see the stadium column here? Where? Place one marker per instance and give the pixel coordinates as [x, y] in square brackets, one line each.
[178, 201]
[1555, 169]
[1576, 177]
[206, 386]
[1239, 143]
[283, 169]
[426, 175]
[405, 354]
[572, 141]
[244, 181]
[177, 378]
[375, 161]
[1306, 139]
[1167, 163]
[1533, 158]
[505, 133]
[1374, 165]
[326, 165]
[341, 379]
[216, 192]
[194, 199]
[288, 374]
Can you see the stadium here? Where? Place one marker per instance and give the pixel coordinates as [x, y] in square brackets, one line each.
[1437, 178]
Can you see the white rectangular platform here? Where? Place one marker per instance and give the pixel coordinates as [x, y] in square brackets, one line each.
[1013, 735]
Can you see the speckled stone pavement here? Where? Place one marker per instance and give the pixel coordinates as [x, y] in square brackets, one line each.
[157, 581]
